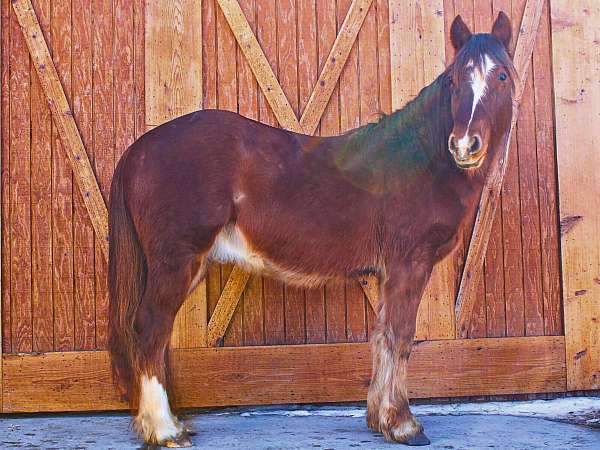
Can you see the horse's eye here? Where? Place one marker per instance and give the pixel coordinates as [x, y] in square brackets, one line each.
[502, 76]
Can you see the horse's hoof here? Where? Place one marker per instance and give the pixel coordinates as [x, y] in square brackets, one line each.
[189, 431]
[181, 441]
[418, 440]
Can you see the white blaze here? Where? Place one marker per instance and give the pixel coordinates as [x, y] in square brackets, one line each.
[479, 77]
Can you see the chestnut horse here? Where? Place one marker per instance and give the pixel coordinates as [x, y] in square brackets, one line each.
[387, 198]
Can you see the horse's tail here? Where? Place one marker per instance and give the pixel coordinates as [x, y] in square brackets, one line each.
[126, 283]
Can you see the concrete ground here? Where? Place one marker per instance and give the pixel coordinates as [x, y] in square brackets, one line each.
[470, 426]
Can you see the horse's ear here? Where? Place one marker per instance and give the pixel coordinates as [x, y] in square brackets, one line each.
[502, 29]
[459, 33]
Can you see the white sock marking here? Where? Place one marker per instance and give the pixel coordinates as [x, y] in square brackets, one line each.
[155, 419]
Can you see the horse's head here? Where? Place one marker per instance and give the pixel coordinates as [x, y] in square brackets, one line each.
[483, 80]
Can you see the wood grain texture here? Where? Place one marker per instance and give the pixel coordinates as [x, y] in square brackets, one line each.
[547, 178]
[530, 214]
[266, 34]
[271, 88]
[5, 297]
[482, 23]
[335, 62]
[173, 57]
[308, 71]
[79, 381]
[83, 232]
[62, 191]
[491, 191]
[63, 118]
[2, 88]
[350, 109]
[41, 205]
[104, 140]
[228, 301]
[577, 102]
[283, 95]
[20, 176]
[441, 290]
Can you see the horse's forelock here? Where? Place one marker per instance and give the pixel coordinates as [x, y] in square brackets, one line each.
[476, 49]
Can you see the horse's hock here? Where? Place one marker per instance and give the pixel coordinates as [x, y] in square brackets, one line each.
[320, 67]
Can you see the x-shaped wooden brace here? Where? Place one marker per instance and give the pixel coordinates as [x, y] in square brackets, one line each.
[284, 113]
[86, 180]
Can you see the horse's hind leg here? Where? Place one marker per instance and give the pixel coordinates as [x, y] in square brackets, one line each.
[168, 283]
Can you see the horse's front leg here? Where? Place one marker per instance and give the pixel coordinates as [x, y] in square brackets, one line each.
[391, 343]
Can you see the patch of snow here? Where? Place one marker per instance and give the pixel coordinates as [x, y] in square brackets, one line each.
[557, 409]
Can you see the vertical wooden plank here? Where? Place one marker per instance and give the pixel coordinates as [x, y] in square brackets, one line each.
[173, 59]
[83, 232]
[441, 290]
[173, 86]
[383, 56]
[406, 41]
[547, 180]
[494, 282]
[41, 203]
[385, 87]
[5, 299]
[209, 100]
[2, 89]
[252, 309]
[62, 190]
[335, 308]
[266, 34]
[479, 20]
[465, 9]
[139, 25]
[494, 260]
[370, 93]
[577, 102]
[530, 211]
[449, 16]
[20, 176]
[350, 118]
[287, 52]
[315, 316]
[103, 136]
[308, 64]
[209, 54]
[512, 240]
[403, 47]
[228, 99]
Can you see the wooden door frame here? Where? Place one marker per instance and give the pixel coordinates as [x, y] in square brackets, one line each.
[46, 382]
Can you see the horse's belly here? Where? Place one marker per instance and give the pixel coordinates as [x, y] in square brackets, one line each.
[232, 247]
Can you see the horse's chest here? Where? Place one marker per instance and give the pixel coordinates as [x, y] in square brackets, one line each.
[232, 247]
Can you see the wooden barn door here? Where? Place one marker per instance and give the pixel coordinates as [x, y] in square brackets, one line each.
[320, 67]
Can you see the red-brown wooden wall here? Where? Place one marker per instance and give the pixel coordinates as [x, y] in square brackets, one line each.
[53, 276]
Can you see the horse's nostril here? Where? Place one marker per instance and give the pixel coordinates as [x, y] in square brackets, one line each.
[452, 143]
[475, 144]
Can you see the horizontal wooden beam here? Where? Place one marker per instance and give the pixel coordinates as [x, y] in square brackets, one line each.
[81, 381]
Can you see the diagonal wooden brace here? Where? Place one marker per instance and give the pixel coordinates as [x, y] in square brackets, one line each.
[63, 119]
[491, 192]
[284, 113]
